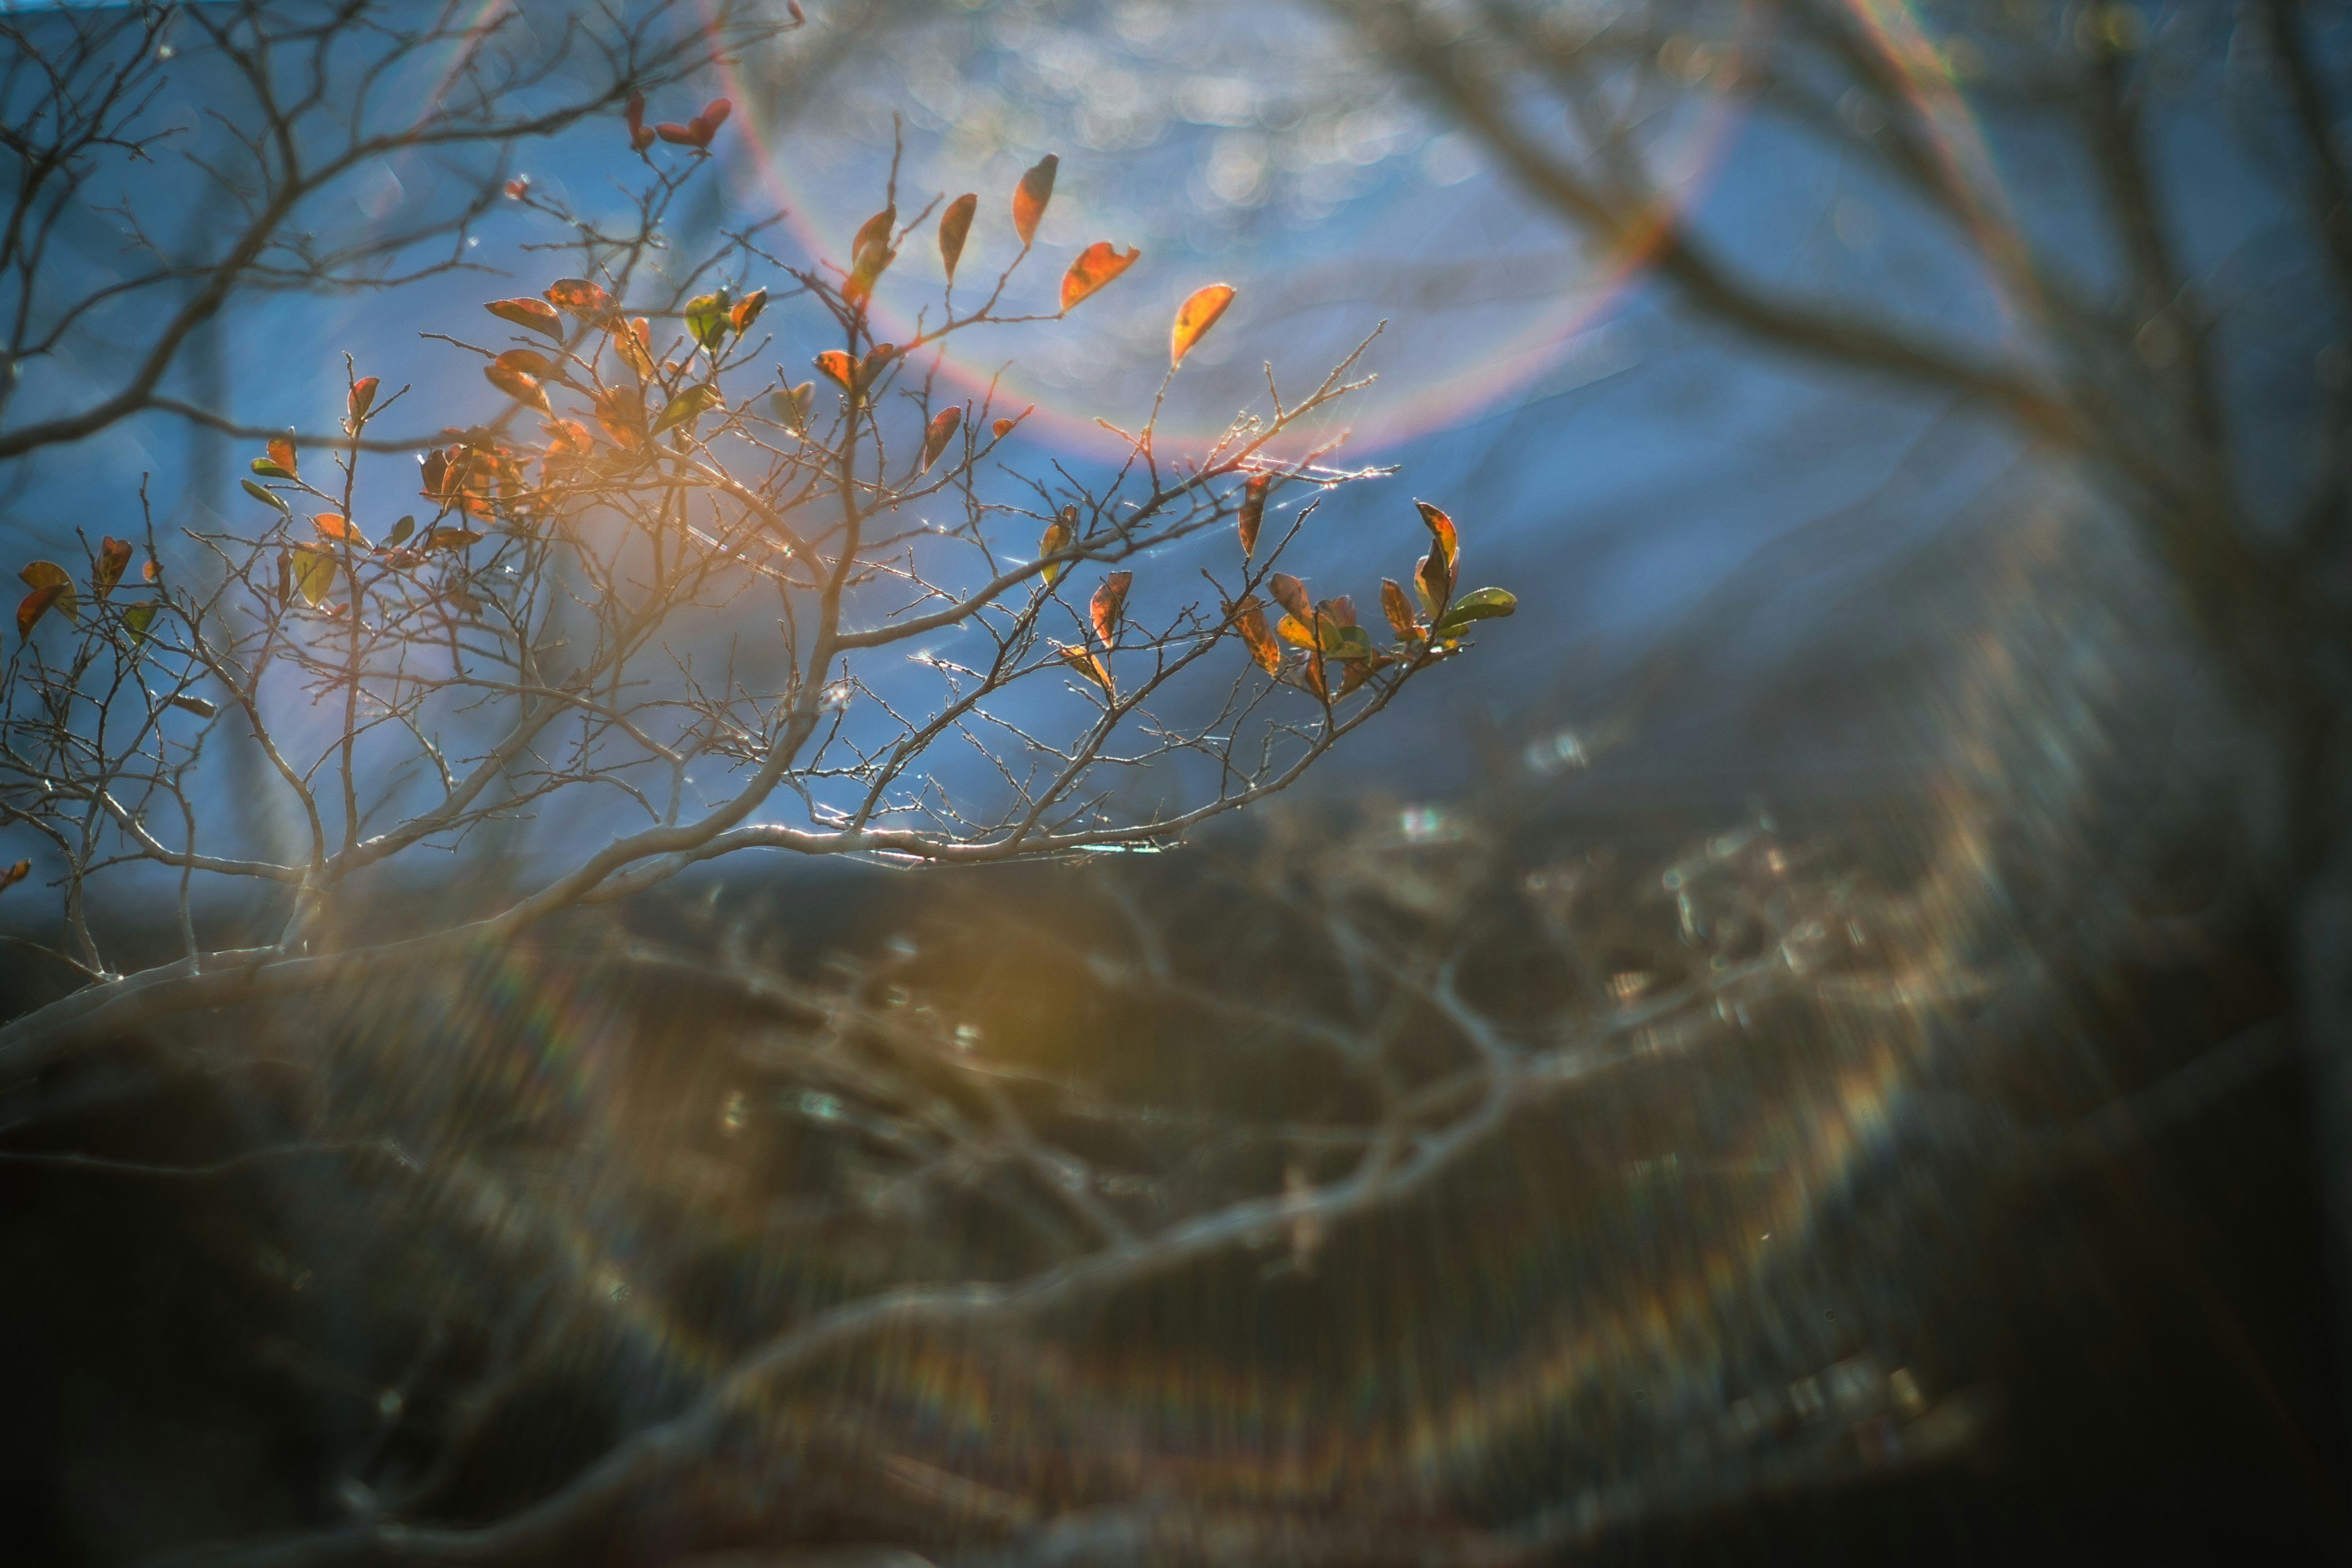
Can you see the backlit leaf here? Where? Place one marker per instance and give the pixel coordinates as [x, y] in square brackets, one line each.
[620, 411]
[40, 574]
[1058, 536]
[401, 530]
[152, 572]
[1000, 429]
[314, 571]
[633, 342]
[1252, 512]
[337, 528]
[1432, 582]
[266, 497]
[33, 606]
[1291, 595]
[955, 224]
[531, 363]
[747, 311]
[872, 236]
[939, 433]
[1194, 316]
[687, 406]
[791, 405]
[706, 318]
[523, 389]
[270, 471]
[1481, 605]
[15, 874]
[1096, 265]
[1251, 618]
[1441, 529]
[113, 561]
[537, 314]
[452, 539]
[877, 358]
[1399, 610]
[1108, 601]
[580, 297]
[837, 365]
[1030, 196]
[282, 452]
[137, 618]
[1087, 664]
[362, 397]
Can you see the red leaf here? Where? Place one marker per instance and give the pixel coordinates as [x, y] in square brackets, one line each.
[362, 397]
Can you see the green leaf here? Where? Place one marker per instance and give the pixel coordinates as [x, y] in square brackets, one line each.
[691, 404]
[1347, 642]
[707, 317]
[266, 497]
[269, 469]
[1484, 604]
[138, 618]
[401, 530]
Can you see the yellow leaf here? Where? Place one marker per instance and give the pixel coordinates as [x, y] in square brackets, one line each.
[15, 874]
[1029, 197]
[314, 571]
[1441, 529]
[1251, 617]
[1058, 536]
[1096, 265]
[1195, 316]
[955, 224]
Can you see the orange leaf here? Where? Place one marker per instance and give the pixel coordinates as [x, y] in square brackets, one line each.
[1251, 618]
[633, 343]
[746, 309]
[537, 314]
[955, 224]
[15, 874]
[1399, 610]
[40, 574]
[873, 235]
[336, 527]
[1000, 429]
[939, 433]
[1104, 608]
[522, 388]
[714, 113]
[579, 296]
[530, 361]
[1440, 528]
[113, 561]
[621, 412]
[282, 452]
[1291, 595]
[33, 606]
[362, 397]
[153, 570]
[1434, 583]
[1096, 265]
[1030, 196]
[1195, 316]
[837, 365]
[1089, 666]
[1058, 536]
[1252, 512]
[693, 134]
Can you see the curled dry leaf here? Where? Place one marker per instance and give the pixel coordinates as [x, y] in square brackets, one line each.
[362, 397]
[113, 561]
[939, 433]
[1441, 529]
[641, 135]
[1108, 601]
[195, 705]
[537, 314]
[1089, 665]
[1030, 196]
[1250, 616]
[1096, 265]
[955, 227]
[524, 389]
[1252, 512]
[1195, 316]
[1059, 536]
